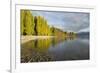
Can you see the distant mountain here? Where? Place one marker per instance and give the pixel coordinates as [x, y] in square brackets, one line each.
[83, 33]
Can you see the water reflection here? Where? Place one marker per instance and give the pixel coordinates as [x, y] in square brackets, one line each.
[41, 50]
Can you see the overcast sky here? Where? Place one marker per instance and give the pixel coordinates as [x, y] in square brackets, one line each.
[67, 21]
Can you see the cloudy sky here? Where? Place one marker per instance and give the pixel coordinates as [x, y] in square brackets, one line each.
[67, 21]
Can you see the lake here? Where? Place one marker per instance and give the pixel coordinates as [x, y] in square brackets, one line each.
[55, 49]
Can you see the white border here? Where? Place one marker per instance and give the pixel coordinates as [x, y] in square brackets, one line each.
[17, 66]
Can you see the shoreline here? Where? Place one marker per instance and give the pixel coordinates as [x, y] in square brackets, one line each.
[25, 39]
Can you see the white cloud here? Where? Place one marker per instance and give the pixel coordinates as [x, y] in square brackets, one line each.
[84, 30]
[68, 21]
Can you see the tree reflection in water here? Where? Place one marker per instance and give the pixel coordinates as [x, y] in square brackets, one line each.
[37, 50]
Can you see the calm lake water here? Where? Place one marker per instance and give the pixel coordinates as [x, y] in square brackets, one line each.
[55, 49]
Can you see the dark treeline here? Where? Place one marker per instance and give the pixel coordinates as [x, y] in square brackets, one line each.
[38, 25]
